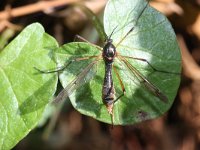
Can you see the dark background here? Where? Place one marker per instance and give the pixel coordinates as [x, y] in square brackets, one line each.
[178, 129]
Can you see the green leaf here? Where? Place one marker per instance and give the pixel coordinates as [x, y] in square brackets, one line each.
[24, 93]
[152, 39]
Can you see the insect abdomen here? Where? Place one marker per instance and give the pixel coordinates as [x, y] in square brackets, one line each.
[108, 91]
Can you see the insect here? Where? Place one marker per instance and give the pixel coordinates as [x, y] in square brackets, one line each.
[108, 54]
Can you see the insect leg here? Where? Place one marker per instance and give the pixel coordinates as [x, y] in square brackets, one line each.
[121, 84]
[144, 60]
[66, 65]
[84, 40]
[78, 37]
[151, 87]
[152, 67]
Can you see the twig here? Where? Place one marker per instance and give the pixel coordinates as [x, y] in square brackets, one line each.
[6, 23]
[39, 6]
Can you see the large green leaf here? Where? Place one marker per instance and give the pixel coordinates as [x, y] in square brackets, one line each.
[24, 93]
[152, 39]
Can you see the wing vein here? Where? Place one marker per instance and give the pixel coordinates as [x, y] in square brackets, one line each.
[74, 84]
[150, 86]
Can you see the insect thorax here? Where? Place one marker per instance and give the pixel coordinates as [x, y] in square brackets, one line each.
[109, 51]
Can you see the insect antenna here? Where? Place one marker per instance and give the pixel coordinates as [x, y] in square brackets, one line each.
[109, 37]
[141, 12]
[138, 17]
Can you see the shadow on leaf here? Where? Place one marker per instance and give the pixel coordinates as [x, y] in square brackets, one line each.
[38, 99]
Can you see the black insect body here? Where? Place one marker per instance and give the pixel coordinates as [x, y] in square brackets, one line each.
[108, 91]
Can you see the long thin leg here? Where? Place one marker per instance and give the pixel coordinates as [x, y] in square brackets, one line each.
[81, 38]
[84, 40]
[65, 66]
[144, 81]
[144, 60]
[121, 84]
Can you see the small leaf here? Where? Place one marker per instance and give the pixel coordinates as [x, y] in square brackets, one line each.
[152, 39]
[24, 93]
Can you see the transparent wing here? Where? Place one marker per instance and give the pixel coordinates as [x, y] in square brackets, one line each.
[150, 86]
[83, 77]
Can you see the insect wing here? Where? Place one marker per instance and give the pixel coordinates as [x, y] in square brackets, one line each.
[144, 81]
[83, 77]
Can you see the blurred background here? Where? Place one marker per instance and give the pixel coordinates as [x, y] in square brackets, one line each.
[178, 129]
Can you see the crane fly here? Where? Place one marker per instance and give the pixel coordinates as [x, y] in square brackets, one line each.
[108, 54]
